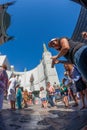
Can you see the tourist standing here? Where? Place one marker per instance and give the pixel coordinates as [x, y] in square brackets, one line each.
[12, 91]
[55, 85]
[19, 97]
[79, 83]
[72, 93]
[50, 91]
[25, 98]
[64, 92]
[43, 98]
[3, 84]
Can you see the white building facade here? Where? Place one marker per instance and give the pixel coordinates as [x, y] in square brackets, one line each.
[40, 75]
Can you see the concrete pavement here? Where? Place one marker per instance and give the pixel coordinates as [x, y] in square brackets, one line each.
[36, 118]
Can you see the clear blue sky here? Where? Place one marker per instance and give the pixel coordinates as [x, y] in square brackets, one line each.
[34, 22]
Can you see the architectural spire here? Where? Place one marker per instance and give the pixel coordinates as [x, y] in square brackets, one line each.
[44, 47]
[25, 69]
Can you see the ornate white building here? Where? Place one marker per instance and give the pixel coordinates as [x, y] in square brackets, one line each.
[39, 76]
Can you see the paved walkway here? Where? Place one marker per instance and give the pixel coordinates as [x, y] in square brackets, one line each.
[37, 118]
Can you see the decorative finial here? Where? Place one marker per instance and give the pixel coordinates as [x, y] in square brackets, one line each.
[25, 69]
[44, 47]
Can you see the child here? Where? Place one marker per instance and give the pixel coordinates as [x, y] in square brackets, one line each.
[42, 95]
[25, 98]
[64, 93]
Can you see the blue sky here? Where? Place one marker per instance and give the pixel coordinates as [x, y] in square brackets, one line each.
[34, 22]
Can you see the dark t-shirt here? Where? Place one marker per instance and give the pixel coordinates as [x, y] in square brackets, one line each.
[74, 46]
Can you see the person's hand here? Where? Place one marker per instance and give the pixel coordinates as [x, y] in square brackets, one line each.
[54, 57]
[54, 62]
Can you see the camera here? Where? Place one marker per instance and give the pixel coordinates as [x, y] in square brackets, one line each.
[52, 65]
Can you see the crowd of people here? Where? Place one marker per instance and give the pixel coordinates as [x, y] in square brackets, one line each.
[11, 90]
[73, 85]
[75, 62]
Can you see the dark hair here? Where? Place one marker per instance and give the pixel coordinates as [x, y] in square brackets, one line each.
[4, 66]
[51, 41]
[41, 88]
[48, 82]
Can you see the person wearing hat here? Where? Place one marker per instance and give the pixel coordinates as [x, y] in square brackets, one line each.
[74, 52]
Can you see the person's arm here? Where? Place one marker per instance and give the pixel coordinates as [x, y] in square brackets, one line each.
[40, 94]
[53, 89]
[65, 48]
[56, 61]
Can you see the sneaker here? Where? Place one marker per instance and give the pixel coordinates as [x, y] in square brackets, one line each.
[67, 107]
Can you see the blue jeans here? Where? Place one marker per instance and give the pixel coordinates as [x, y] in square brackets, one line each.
[51, 100]
[80, 59]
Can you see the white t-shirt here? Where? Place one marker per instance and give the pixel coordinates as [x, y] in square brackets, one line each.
[12, 84]
[42, 94]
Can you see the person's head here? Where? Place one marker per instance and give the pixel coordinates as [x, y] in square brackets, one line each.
[21, 88]
[68, 67]
[41, 88]
[26, 90]
[4, 66]
[54, 43]
[48, 84]
[54, 82]
[64, 80]
[17, 85]
[84, 35]
[66, 73]
[13, 75]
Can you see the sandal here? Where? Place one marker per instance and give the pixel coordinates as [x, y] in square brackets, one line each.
[75, 105]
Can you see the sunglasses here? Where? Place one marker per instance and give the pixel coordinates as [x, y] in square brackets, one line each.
[53, 44]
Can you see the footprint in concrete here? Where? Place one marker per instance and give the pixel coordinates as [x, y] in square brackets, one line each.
[25, 119]
[15, 126]
[43, 122]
